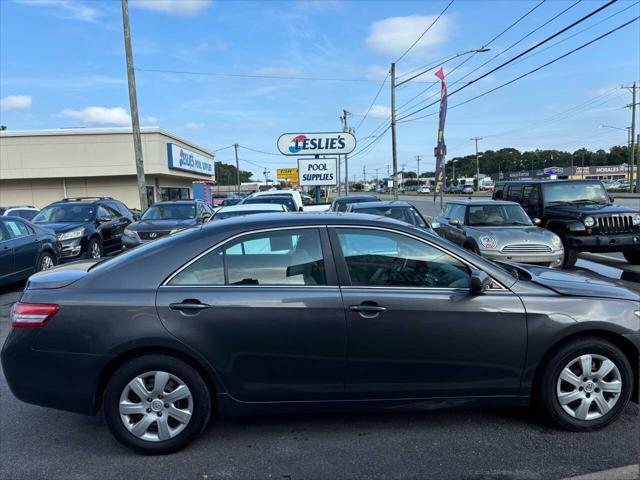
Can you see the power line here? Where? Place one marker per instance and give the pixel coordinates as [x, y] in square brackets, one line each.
[260, 151]
[509, 27]
[373, 102]
[223, 148]
[425, 32]
[535, 69]
[513, 59]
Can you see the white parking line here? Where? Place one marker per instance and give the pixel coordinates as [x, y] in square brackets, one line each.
[630, 472]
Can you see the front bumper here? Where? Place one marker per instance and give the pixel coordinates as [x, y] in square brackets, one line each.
[65, 381]
[71, 250]
[553, 259]
[131, 242]
[628, 242]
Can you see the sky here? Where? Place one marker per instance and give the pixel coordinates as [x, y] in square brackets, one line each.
[223, 72]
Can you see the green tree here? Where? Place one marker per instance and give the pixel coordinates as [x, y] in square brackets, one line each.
[226, 174]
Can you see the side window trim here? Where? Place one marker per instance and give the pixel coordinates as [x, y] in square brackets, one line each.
[327, 255]
[343, 274]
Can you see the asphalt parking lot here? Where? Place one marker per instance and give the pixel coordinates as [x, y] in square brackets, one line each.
[488, 443]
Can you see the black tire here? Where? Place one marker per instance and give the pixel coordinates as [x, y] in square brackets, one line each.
[95, 243]
[192, 379]
[42, 261]
[570, 254]
[632, 257]
[553, 368]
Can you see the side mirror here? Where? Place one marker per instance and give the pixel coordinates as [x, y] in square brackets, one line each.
[455, 222]
[480, 281]
[537, 221]
[611, 198]
[104, 219]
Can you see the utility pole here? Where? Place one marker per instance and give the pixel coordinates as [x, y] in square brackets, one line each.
[235, 146]
[477, 162]
[418, 158]
[394, 150]
[364, 174]
[633, 89]
[345, 128]
[377, 176]
[133, 104]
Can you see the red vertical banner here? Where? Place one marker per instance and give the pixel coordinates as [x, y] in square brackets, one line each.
[441, 149]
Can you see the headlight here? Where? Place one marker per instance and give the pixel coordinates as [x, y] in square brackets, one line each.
[636, 219]
[130, 233]
[489, 242]
[71, 235]
[589, 222]
[556, 242]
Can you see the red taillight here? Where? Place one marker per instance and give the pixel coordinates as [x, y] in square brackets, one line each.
[32, 314]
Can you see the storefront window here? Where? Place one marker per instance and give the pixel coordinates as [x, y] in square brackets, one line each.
[174, 193]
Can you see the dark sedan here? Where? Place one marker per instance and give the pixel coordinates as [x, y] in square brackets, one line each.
[291, 312]
[285, 200]
[398, 210]
[163, 218]
[25, 248]
[340, 204]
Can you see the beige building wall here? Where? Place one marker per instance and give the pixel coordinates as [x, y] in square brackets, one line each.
[35, 167]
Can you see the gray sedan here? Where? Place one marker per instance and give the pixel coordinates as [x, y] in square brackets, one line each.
[499, 230]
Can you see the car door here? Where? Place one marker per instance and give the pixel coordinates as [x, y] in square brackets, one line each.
[265, 310]
[413, 328]
[107, 227]
[25, 246]
[6, 257]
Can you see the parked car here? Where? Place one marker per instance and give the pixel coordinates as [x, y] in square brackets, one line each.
[23, 211]
[285, 200]
[295, 196]
[581, 213]
[278, 312]
[340, 204]
[163, 218]
[455, 189]
[499, 230]
[398, 210]
[248, 209]
[86, 227]
[25, 248]
[227, 202]
[307, 200]
[467, 190]
[423, 190]
[217, 199]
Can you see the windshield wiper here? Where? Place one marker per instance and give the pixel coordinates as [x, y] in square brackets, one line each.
[588, 200]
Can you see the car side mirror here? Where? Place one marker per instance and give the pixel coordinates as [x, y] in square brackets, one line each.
[104, 219]
[537, 221]
[480, 281]
[455, 222]
[611, 198]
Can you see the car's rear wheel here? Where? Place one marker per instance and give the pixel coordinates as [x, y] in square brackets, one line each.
[95, 248]
[632, 257]
[586, 384]
[45, 262]
[156, 404]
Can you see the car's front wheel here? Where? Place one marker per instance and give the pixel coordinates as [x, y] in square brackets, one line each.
[45, 262]
[95, 248]
[586, 384]
[156, 404]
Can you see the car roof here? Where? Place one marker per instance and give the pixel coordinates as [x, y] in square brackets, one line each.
[252, 207]
[9, 207]
[550, 181]
[481, 201]
[276, 192]
[381, 203]
[286, 197]
[354, 197]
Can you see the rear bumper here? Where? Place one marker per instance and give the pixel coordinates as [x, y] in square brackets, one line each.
[65, 381]
[628, 242]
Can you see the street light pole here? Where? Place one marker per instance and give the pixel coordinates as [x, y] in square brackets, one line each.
[477, 162]
[394, 151]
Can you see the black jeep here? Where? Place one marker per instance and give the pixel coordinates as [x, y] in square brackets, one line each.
[581, 213]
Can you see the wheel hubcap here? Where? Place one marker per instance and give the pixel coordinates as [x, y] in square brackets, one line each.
[95, 251]
[589, 386]
[156, 406]
[47, 263]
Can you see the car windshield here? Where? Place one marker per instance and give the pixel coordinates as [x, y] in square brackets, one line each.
[66, 213]
[497, 215]
[404, 214]
[287, 201]
[170, 211]
[574, 192]
[223, 215]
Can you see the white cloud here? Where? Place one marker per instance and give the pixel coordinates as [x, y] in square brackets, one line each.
[71, 9]
[182, 8]
[116, 116]
[15, 102]
[194, 126]
[379, 111]
[394, 35]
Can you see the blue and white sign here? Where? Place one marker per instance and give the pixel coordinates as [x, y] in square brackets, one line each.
[553, 170]
[186, 160]
[317, 171]
[337, 143]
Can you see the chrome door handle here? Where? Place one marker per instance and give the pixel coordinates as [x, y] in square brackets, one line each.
[186, 306]
[367, 308]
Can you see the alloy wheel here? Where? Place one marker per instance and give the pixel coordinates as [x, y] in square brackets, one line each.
[156, 406]
[46, 263]
[95, 250]
[589, 386]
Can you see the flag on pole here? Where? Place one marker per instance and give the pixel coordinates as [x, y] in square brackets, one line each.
[441, 149]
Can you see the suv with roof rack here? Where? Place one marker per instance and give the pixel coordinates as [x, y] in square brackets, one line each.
[86, 227]
[581, 213]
